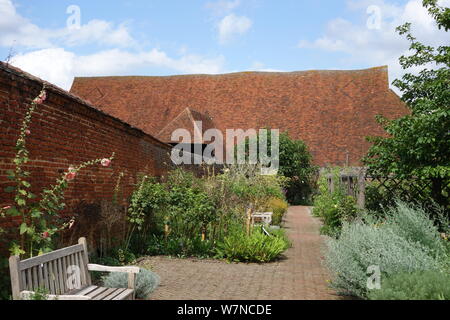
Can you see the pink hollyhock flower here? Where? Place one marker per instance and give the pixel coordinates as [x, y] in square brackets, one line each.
[41, 98]
[106, 162]
[27, 132]
[71, 174]
[45, 235]
[7, 208]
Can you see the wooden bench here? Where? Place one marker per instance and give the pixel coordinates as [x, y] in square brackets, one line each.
[64, 275]
[264, 217]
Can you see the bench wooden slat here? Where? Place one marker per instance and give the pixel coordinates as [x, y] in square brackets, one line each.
[28, 263]
[45, 272]
[51, 281]
[115, 294]
[30, 278]
[84, 291]
[60, 276]
[64, 273]
[35, 278]
[41, 277]
[127, 293]
[24, 279]
[106, 293]
[96, 292]
[82, 270]
[56, 275]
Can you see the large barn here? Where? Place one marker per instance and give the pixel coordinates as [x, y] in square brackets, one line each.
[332, 111]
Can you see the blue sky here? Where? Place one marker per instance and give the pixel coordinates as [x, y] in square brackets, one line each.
[156, 37]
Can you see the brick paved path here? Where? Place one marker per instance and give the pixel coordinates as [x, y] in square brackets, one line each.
[300, 276]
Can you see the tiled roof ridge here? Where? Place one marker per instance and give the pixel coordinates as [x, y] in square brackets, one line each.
[383, 69]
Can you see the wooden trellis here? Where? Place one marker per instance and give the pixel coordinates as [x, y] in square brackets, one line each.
[354, 181]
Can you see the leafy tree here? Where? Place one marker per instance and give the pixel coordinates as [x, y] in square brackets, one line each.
[295, 164]
[418, 144]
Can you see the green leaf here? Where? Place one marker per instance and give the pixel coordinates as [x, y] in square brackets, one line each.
[23, 228]
[26, 184]
[21, 202]
[13, 212]
[35, 213]
[10, 189]
[16, 250]
[23, 192]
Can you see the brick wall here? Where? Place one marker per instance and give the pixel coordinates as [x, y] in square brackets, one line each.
[67, 131]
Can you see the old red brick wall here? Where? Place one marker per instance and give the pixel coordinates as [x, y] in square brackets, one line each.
[68, 131]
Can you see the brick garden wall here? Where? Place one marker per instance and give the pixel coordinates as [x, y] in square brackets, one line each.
[67, 131]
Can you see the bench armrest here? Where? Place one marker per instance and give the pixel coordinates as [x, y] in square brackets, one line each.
[96, 267]
[27, 295]
[132, 271]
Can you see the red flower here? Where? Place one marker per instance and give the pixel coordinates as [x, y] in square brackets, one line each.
[27, 132]
[45, 235]
[70, 176]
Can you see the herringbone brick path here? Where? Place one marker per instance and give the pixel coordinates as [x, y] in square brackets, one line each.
[299, 276]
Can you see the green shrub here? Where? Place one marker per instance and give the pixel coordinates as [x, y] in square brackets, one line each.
[181, 248]
[146, 282]
[422, 285]
[415, 224]
[258, 247]
[334, 208]
[405, 242]
[279, 208]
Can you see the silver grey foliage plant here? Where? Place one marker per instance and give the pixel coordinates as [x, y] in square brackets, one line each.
[146, 282]
[404, 241]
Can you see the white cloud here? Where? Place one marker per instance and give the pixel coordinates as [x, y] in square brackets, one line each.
[381, 46]
[222, 7]
[231, 26]
[60, 66]
[45, 54]
[99, 32]
[16, 30]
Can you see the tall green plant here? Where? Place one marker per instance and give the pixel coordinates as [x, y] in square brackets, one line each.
[334, 207]
[39, 219]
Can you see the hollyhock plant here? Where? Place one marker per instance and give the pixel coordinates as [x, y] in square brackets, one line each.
[38, 223]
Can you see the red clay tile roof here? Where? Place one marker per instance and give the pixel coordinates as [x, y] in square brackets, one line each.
[332, 111]
[187, 119]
